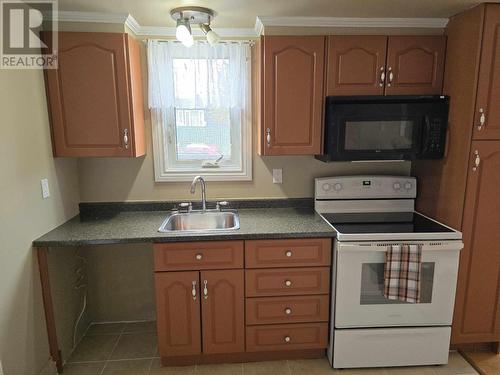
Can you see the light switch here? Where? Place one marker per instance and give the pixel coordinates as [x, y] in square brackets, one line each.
[277, 176]
[45, 188]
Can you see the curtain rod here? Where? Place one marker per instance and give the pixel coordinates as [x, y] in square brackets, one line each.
[227, 41]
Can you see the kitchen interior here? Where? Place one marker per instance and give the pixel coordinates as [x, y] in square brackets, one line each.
[234, 187]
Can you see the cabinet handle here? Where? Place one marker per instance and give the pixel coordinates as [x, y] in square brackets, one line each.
[477, 161]
[125, 138]
[205, 289]
[382, 76]
[199, 256]
[193, 291]
[268, 137]
[287, 339]
[288, 311]
[289, 253]
[482, 119]
[391, 76]
[288, 283]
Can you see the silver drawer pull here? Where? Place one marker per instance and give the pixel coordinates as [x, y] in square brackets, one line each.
[288, 283]
[287, 339]
[205, 289]
[125, 138]
[289, 253]
[288, 311]
[193, 291]
[199, 256]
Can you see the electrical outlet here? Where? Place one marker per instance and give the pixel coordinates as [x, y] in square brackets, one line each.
[45, 188]
[277, 176]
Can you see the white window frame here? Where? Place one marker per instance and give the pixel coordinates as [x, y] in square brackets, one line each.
[160, 135]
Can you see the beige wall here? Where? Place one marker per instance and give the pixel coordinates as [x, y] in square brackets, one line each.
[25, 158]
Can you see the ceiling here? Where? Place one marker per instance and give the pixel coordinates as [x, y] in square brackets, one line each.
[242, 13]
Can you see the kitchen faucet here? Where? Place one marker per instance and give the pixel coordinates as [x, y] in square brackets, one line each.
[203, 191]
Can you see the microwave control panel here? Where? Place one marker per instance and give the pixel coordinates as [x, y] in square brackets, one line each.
[434, 139]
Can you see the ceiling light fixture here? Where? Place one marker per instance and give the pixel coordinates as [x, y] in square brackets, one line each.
[190, 15]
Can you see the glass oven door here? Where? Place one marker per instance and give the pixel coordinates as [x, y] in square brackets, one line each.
[360, 300]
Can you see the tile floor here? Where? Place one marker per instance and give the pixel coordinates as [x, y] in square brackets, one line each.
[131, 349]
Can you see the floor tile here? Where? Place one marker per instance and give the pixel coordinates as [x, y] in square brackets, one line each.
[105, 329]
[488, 363]
[222, 369]
[127, 367]
[140, 327]
[310, 366]
[94, 368]
[135, 345]
[266, 368]
[94, 348]
[157, 369]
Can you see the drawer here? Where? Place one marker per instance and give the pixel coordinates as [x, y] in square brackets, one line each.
[287, 337]
[293, 309]
[287, 281]
[288, 253]
[198, 255]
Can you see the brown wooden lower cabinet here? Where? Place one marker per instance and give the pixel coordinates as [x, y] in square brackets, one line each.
[208, 314]
[178, 313]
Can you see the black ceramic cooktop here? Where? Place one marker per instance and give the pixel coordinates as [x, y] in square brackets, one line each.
[384, 222]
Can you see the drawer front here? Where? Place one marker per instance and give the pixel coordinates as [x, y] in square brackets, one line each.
[294, 309]
[288, 253]
[287, 337]
[287, 281]
[198, 255]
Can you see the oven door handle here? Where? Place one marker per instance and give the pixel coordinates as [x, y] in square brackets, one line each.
[433, 246]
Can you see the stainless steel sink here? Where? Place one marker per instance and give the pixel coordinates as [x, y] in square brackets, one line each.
[201, 221]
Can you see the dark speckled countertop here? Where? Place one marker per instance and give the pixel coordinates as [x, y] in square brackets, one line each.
[142, 226]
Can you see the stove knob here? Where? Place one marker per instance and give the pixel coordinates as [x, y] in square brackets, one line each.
[408, 185]
[396, 186]
[326, 186]
[337, 186]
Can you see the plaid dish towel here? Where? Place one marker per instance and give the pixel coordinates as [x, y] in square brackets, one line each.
[402, 273]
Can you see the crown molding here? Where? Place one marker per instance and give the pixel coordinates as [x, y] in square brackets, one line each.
[134, 26]
[265, 21]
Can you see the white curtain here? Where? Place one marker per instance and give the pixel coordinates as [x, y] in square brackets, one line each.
[201, 76]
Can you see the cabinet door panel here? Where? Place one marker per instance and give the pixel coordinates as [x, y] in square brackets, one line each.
[488, 94]
[416, 64]
[293, 95]
[223, 311]
[178, 313]
[356, 64]
[477, 311]
[90, 98]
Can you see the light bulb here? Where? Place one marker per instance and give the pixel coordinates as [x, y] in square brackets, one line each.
[213, 37]
[183, 30]
[189, 41]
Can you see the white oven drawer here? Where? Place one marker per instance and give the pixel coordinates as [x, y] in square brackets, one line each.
[384, 347]
[359, 298]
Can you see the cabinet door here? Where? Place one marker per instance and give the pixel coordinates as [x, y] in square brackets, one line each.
[88, 96]
[293, 69]
[488, 94]
[223, 311]
[477, 307]
[356, 65]
[178, 313]
[415, 65]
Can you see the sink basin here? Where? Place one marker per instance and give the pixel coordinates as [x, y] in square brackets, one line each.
[198, 221]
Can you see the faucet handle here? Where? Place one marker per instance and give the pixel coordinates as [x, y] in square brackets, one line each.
[221, 205]
[185, 206]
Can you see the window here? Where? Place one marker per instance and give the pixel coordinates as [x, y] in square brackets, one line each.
[200, 108]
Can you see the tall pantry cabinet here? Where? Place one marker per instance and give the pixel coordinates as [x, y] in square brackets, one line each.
[463, 189]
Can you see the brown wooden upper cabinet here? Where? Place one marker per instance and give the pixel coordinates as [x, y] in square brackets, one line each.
[95, 96]
[487, 115]
[292, 95]
[377, 65]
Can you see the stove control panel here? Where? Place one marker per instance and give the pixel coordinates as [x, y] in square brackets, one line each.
[366, 187]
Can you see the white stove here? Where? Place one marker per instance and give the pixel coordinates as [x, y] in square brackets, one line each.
[369, 214]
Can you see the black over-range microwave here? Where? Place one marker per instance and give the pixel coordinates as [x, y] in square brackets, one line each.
[385, 127]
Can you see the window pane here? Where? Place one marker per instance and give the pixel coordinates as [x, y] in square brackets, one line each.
[203, 142]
